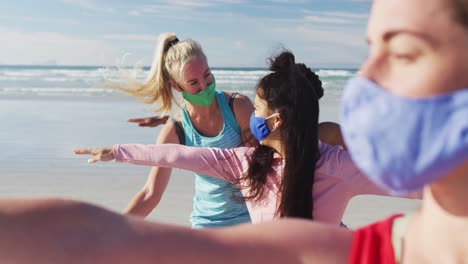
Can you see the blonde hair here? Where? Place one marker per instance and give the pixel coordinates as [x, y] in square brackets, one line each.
[169, 60]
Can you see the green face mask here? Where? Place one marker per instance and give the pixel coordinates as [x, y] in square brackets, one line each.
[203, 98]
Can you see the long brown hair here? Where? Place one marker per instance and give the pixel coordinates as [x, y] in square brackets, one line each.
[291, 90]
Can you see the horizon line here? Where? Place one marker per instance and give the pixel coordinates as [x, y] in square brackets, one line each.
[148, 66]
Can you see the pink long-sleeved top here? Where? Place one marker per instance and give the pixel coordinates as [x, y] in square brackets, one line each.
[337, 179]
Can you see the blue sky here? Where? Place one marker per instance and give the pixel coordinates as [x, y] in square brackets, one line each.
[233, 33]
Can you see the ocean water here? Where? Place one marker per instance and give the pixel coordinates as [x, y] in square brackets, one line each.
[48, 111]
[87, 81]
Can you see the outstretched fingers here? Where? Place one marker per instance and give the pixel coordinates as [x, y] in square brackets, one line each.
[95, 159]
[99, 154]
[152, 121]
[89, 151]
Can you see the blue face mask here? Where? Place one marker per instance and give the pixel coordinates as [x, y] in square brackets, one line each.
[259, 127]
[403, 144]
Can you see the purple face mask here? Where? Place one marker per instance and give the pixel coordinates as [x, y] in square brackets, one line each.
[403, 144]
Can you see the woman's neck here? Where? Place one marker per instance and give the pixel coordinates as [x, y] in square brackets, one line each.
[202, 111]
[451, 192]
[277, 145]
[439, 232]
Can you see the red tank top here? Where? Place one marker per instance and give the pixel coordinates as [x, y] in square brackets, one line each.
[373, 243]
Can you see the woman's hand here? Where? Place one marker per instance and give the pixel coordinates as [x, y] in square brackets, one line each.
[152, 121]
[99, 154]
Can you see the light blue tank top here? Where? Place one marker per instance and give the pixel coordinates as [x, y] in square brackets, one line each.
[213, 205]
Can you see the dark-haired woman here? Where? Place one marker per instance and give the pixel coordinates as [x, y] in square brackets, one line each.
[290, 174]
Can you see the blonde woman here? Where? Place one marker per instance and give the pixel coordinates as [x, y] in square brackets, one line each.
[208, 118]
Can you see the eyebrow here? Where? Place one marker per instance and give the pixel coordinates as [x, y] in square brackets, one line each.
[392, 33]
[192, 80]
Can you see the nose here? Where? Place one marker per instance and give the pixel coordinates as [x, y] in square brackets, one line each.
[369, 69]
[201, 86]
[365, 69]
[204, 84]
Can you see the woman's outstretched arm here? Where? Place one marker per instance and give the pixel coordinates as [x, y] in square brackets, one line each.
[63, 231]
[226, 164]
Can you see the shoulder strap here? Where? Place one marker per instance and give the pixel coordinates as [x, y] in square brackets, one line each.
[398, 231]
[225, 105]
[231, 102]
[179, 131]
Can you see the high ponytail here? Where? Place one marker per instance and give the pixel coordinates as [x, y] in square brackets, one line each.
[312, 78]
[170, 57]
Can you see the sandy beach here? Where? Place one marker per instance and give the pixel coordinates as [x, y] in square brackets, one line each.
[38, 135]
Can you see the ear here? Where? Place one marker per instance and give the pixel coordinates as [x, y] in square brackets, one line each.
[174, 85]
[277, 122]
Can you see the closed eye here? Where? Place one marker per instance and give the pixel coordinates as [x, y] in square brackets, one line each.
[403, 57]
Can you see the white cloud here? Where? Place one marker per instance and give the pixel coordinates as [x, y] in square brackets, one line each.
[173, 12]
[311, 35]
[327, 20]
[363, 16]
[134, 13]
[205, 3]
[290, 1]
[131, 37]
[173, 8]
[192, 4]
[239, 44]
[189, 3]
[90, 5]
[322, 45]
[332, 36]
[156, 9]
[335, 17]
[19, 47]
[53, 20]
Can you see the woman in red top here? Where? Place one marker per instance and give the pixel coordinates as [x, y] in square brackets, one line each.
[418, 49]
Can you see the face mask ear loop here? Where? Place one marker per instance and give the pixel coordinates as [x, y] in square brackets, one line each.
[178, 88]
[270, 116]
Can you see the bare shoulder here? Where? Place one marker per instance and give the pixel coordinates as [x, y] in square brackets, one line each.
[330, 133]
[168, 133]
[243, 109]
[243, 101]
[330, 127]
[240, 100]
